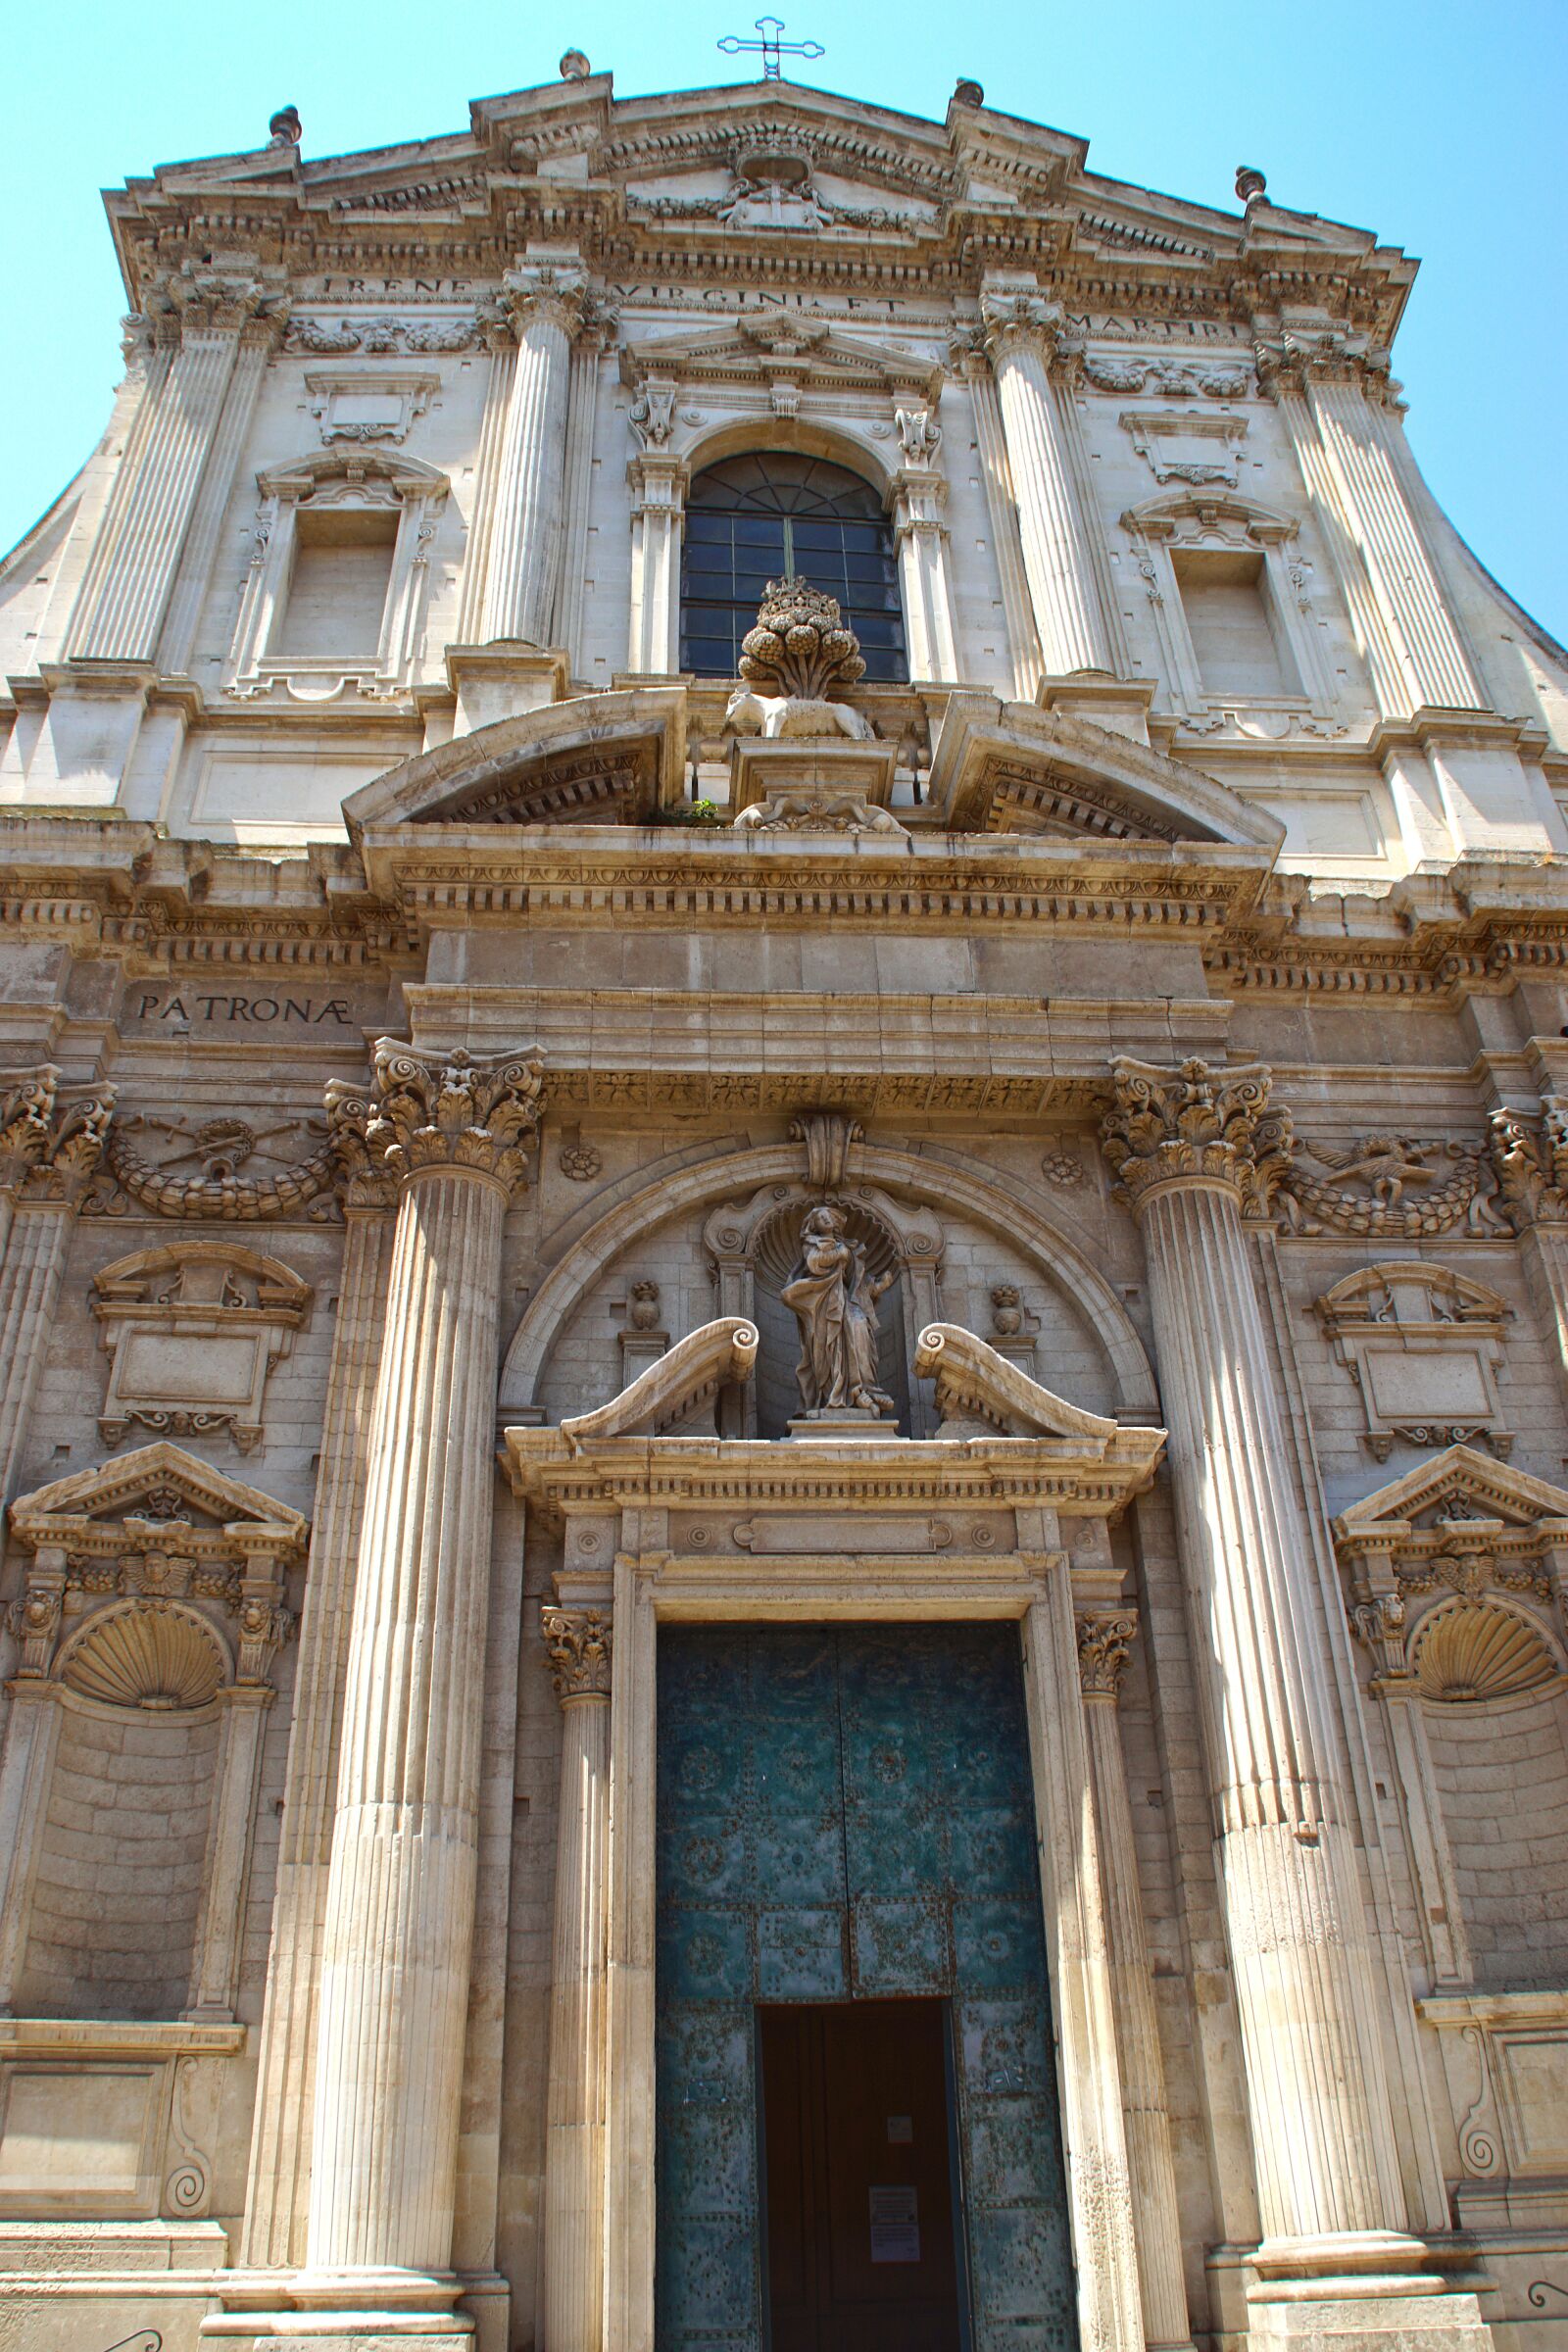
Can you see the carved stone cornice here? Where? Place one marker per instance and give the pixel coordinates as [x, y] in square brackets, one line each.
[1195, 1125]
[579, 1645]
[449, 1111]
[1531, 1163]
[51, 1138]
[1103, 1646]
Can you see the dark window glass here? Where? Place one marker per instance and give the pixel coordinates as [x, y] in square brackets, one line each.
[761, 517]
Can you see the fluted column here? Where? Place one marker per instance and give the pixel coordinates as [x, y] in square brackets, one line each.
[1188, 1144]
[1017, 608]
[255, 344]
[1102, 1645]
[547, 303]
[1331, 393]
[49, 1146]
[278, 2192]
[451, 1133]
[578, 1641]
[128, 579]
[1053, 533]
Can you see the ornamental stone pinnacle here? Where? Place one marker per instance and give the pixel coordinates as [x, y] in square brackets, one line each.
[1195, 1124]
[579, 1645]
[800, 644]
[450, 1110]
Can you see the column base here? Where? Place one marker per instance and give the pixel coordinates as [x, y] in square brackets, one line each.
[341, 2311]
[1371, 2291]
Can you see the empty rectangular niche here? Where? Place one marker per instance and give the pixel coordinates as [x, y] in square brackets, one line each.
[1235, 629]
[338, 587]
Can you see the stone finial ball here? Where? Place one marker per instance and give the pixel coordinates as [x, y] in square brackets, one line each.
[967, 93]
[574, 66]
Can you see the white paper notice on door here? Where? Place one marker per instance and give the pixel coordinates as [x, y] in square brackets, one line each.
[896, 2225]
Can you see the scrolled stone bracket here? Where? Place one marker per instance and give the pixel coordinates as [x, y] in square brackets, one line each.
[579, 1642]
[1195, 1124]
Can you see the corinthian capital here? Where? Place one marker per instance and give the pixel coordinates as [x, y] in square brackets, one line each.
[578, 1643]
[1295, 356]
[220, 295]
[51, 1138]
[450, 1111]
[1023, 318]
[1531, 1164]
[1103, 1646]
[1195, 1124]
[363, 1181]
[556, 291]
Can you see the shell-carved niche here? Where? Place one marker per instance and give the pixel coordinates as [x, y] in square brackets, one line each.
[753, 1247]
[192, 1332]
[1466, 1652]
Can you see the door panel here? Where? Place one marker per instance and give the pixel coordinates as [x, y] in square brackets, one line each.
[845, 1815]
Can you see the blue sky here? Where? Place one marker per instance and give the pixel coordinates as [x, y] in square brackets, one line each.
[1436, 122]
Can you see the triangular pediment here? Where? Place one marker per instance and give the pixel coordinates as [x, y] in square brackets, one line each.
[160, 1483]
[1007, 767]
[1459, 1483]
[600, 758]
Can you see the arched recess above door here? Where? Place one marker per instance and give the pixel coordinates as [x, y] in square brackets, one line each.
[739, 1175]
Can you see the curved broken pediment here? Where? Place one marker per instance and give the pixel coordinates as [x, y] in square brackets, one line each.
[1003, 767]
[597, 759]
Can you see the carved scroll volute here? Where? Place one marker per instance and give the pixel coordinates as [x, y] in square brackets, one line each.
[363, 1181]
[51, 1138]
[1104, 1643]
[450, 1111]
[579, 1642]
[1531, 1164]
[1195, 1125]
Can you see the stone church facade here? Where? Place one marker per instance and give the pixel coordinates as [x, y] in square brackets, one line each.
[784, 1302]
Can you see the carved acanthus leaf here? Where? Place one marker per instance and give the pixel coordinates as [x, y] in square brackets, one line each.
[1102, 1645]
[579, 1645]
[1195, 1122]
[451, 1110]
[51, 1136]
[1530, 1164]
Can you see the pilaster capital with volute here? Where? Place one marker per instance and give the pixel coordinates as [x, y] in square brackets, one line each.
[579, 1642]
[51, 1136]
[1531, 1160]
[555, 292]
[1103, 1641]
[1291, 360]
[1018, 317]
[449, 1113]
[364, 1182]
[1196, 1126]
[228, 294]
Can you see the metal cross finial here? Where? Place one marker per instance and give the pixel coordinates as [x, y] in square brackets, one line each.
[771, 47]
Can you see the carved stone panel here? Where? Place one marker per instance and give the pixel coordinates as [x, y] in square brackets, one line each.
[1424, 1346]
[192, 1332]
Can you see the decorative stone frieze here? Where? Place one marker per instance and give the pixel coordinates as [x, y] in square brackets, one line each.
[1382, 1191]
[220, 1148]
[579, 1642]
[1195, 1124]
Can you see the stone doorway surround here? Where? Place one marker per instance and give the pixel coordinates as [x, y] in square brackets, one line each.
[1004, 1514]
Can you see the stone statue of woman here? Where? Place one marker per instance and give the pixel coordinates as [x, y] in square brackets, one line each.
[833, 1297]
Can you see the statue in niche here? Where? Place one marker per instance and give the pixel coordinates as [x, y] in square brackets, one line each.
[833, 1295]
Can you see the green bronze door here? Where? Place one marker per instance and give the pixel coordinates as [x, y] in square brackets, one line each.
[845, 1813]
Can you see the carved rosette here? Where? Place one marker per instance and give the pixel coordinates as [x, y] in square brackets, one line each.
[437, 1111]
[1531, 1164]
[51, 1138]
[1195, 1125]
[579, 1642]
[1103, 1646]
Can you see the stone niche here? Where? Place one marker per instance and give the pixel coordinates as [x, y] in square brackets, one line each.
[192, 1332]
[1424, 1346]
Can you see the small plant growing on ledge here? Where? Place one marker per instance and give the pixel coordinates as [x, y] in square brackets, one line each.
[692, 812]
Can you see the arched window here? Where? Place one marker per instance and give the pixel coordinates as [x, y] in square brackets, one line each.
[773, 515]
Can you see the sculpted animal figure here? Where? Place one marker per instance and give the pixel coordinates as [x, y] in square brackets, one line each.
[772, 716]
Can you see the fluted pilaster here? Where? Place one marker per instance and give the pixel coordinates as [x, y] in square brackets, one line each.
[1333, 395]
[1530, 1158]
[51, 1139]
[1189, 1145]
[278, 2196]
[579, 1645]
[1018, 607]
[1102, 1645]
[193, 578]
[1052, 530]
[451, 1133]
[547, 300]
